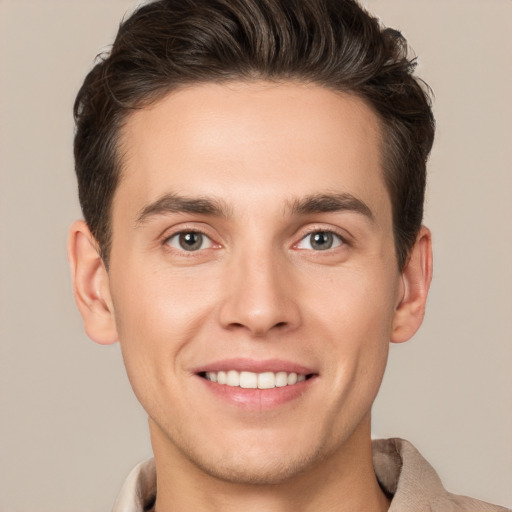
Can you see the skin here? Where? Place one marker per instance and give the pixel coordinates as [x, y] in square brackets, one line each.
[256, 289]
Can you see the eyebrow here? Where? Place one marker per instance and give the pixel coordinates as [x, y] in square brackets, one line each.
[331, 202]
[175, 203]
[317, 203]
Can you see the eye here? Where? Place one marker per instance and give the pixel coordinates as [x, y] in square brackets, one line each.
[320, 241]
[189, 241]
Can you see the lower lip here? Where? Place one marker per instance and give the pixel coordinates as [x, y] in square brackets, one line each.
[258, 399]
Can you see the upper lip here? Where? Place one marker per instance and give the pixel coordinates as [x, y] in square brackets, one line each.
[253, 365]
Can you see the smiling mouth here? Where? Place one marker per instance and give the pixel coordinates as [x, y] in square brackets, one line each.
[252, 380]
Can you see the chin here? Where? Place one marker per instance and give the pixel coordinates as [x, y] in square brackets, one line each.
[254, 470]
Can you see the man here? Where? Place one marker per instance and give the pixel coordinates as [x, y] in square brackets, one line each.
[252, 174]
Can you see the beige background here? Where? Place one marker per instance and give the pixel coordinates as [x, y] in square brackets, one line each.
[70, 428]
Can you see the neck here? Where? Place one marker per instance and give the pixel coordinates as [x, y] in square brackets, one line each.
[343, 481]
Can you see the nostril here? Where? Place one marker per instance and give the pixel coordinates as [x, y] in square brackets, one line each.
[235, 325]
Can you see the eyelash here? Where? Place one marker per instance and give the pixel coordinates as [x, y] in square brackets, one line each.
[194, 231]
[342, 241]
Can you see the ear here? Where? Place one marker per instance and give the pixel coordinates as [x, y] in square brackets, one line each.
[91, 285]
[416, 277]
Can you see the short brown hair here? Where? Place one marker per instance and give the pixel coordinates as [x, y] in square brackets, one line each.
[332, 43]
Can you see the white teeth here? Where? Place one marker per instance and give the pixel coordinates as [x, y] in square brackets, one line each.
[266, 380]
[233, 378]
[248, 380]
[281, 379]
[251, 380]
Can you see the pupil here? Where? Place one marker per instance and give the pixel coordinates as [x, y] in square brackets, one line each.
[322, 241]
[191, 241]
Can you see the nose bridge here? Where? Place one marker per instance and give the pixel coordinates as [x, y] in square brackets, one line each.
[259, 293]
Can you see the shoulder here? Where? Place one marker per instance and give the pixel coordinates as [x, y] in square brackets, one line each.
[139, 489]
[414, 484]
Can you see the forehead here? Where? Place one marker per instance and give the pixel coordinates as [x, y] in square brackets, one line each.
[257, 141]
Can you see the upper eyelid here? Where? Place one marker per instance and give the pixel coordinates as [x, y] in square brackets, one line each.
[181, 231]
[176, 230]
[181, 252]
[213, 244]
[341, 238]
[323, 229]
[168, 239]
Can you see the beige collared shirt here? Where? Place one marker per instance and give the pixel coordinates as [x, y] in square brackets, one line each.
[400, 469]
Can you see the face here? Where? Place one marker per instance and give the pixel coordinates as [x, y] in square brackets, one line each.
[253, 275]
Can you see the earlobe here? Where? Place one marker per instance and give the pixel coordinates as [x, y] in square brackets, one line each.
[416, 277]
[91, 285]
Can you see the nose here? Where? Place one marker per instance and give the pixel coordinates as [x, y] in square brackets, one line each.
[259, 296]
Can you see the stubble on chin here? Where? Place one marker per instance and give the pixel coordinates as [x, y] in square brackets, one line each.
[239, 466]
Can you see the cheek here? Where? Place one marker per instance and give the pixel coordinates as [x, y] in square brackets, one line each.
[153, 323]
[157, 314]
[163, 300]
[353, 317]
[352, 300]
